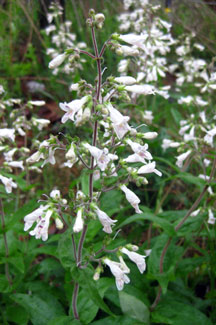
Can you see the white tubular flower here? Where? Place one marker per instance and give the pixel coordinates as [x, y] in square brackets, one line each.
[195, 212]
[141, 89]
[34, 216]
[128, 50]
[199, 101]
[41, 216]
[138, 259]
[141, 152]
[59, 59]
[9, 155]
[150, 135]
[119, 122]
[40, 123]
[167, 143]
[41, 229]
[74, 87]
[72, 108]
[105, 220]
[37, 103]
[102, 157]
[134, 39]
[149, 168]
[79, 223]
[211, 218]
[120, 277]
[147, 116]
[71, 156]
[16, 164]
[206, 162]
[184, 128]
[96, 175]
[181, 158]
[35, 157]
[7, 134]
[125, 80]
[8, 183]
[209, 137]
[202, 115]
[132, 198]
[51, 158]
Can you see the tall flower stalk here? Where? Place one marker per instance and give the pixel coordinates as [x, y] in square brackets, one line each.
[111, 167]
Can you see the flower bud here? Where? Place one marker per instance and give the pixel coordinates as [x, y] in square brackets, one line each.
[59, 59]
[59, 223]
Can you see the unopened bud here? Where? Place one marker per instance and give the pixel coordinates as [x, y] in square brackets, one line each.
[150, 135]
[57, 61]
[59, 223]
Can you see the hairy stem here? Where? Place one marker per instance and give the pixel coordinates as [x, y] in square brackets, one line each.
[94, 141]
[5, 243]
[179, 225]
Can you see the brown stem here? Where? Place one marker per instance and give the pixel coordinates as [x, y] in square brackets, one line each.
[5, 243]
[74, 300]
[193, 207]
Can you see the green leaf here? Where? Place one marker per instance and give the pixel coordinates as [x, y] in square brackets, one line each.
[110, 201]
[65, 250]
[172, 312]
[18, 262]
[119, 320]
[134, 307]
[86, 307]
[41, 312]
[87, 283]
[172, 255]
[17, 314]
[64, 320]
[4, 285]
[188, 178]
[161, 222]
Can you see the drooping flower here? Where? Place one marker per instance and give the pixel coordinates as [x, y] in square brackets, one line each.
[119, 122]
[134, 39]
[105, 220]
[149, 168]
[141, 89]
[120, 275]
[125, 80]
[181, 158]
[102, 157]
[16, 164]
[211, 218]
[8, 183]
[140, 152]
[42, 217]
[71, 156]
[136, 258]
[167, 143]
[59, 59]
[79, 223]
[7, 134]
[72, 108]
[132, 198]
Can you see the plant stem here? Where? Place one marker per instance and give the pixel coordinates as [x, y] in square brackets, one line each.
[94, 141]
[179, 225]
[5, 243]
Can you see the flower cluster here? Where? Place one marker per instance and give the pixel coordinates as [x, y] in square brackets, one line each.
[19, 119]
[61, 39]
